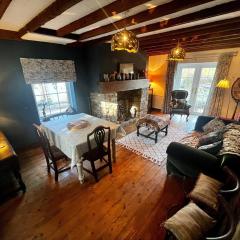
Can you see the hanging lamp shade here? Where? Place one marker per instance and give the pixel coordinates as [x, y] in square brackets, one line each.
[224, 83]
[177, 54]
[125, 40]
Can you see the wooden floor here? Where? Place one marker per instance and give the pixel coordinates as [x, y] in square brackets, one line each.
[131, 203]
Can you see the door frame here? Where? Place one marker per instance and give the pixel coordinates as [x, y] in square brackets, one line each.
[196, 79]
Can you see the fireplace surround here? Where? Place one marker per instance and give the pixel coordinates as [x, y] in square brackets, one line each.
[120, 101]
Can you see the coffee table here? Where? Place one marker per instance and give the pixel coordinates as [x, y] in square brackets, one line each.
[155, 124]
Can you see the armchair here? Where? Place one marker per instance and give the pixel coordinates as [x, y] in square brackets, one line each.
[178, 104]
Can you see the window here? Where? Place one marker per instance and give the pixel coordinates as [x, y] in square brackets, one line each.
[53, 98]
[196, 78]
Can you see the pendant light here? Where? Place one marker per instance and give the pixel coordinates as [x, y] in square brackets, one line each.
[125, 40]
[177, 53]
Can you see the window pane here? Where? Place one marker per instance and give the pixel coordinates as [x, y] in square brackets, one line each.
[51, 88]
[61, 87]
[51, 98]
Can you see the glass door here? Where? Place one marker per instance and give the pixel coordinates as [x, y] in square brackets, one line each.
[197, 79]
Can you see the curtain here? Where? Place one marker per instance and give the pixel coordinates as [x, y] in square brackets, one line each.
[172, 65]
[47, 70]
[215, 98]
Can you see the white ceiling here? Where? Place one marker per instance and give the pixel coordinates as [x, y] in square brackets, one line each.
[79, 10]
[20, 12]
[174, 15]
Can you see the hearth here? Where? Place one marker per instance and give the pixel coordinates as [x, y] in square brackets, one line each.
[120, 106]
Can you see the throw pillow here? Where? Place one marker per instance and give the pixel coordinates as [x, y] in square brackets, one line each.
[212, 148]
[231, 143]
[191, 222]
[205, 193]
[214, 125]
[192, 139]
[211, 138]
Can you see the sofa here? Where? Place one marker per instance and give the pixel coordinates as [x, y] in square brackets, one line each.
[187, 160]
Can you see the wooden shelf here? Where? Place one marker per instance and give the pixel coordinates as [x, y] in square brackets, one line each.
[117, 86]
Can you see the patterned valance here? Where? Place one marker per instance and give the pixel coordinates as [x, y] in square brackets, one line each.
[47, 70]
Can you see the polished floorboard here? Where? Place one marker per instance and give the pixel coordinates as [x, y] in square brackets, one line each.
[131, 203]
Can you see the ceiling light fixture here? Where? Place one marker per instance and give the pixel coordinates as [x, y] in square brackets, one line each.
[177, 53]
[125, 40]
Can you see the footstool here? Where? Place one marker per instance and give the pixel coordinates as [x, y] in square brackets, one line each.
[154, 123]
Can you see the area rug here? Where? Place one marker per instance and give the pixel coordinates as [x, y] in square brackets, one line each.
[147, 148]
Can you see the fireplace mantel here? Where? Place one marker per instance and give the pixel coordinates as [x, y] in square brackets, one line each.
[117, 86]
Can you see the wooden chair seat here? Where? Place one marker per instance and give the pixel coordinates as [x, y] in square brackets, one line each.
[52, 154]
[99, 134]
[95, 154]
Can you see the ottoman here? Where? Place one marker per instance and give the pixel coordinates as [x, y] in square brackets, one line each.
[155, 124]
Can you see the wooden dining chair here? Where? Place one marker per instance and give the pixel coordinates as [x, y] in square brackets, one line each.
[97, 138]
[51, 153]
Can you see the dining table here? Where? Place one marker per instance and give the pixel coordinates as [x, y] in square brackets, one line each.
[73, 141]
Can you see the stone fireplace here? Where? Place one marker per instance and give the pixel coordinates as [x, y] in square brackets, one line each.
[118, 103]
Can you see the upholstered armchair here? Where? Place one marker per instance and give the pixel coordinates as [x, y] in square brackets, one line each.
[178, 104]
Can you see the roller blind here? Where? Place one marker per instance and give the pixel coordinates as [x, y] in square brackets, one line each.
[47, 70]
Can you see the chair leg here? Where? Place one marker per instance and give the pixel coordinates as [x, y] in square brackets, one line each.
[94, 171]
[18, 176]
[55, 170]
[110, 162]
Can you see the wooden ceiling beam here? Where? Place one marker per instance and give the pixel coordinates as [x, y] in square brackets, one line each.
[193, 36]
[231, 43]
[52, 32]
[110, 10]
[195, 49]
[6, 34]
[196, 30]
[52, 11]
[3, 6]
[159, 11]
[186, 45]
[196, 16]
[194, 40]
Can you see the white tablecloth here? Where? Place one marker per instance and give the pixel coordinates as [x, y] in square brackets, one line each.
[73, 143]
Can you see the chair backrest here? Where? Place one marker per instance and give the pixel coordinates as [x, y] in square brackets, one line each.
[179, 94]
[44, 141]
[100, 135]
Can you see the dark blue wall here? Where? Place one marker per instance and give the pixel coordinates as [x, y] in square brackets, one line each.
[100, 59]
[17, 107]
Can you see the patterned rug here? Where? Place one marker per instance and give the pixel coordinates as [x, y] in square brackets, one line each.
[147, 148]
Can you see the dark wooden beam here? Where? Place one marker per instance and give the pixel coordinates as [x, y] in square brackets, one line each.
[188, 48]
[185, 45]
[52, 11]
[6, 34]
[159, 11]
[193, 36]
[3, 6]
[52, 32]
[196, 49]
[100, 14]
[228, 24]
[196, 16]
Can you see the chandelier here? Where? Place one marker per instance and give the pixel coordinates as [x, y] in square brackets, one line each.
[177, 54]
[125, 40]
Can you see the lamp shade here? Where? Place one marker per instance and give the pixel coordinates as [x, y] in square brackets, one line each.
[177, 54]
[224, 83]
[125, 40]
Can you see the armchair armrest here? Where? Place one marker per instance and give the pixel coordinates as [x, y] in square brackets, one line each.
[191, 161]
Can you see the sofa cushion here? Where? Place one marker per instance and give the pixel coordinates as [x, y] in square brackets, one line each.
[205, 193]
[231, 143]
[212, 148]
[192, 139]
[214, 125]
[191, 222]
[211, 137]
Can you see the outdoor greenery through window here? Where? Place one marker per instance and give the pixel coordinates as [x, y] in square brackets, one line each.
[51, 98]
